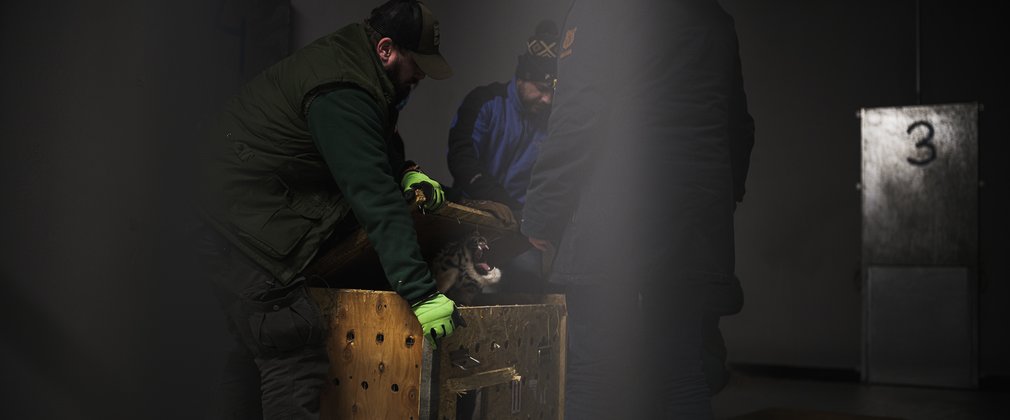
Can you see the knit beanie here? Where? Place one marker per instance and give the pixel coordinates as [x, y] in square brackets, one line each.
[539, 62]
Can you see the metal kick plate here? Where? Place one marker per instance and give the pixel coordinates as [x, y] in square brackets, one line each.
[920, 326]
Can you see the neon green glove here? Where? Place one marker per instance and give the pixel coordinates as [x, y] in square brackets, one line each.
[433, 194]
[438, 317]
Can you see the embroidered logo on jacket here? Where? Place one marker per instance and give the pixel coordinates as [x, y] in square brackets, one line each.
[566, 45]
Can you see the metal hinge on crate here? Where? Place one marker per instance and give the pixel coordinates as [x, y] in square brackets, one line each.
[517, 395]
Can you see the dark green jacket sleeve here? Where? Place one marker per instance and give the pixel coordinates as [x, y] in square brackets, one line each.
[349, 131]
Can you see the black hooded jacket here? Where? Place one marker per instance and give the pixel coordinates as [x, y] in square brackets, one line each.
[648, 145]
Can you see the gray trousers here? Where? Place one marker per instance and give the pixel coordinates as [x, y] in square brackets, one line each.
[278, 364]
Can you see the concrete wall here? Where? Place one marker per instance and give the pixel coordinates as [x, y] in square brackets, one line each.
[103, 317]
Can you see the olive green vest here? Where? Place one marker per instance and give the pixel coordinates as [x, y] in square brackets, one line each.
[271, 192]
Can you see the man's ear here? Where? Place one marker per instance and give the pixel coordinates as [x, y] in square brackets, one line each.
[384, 48]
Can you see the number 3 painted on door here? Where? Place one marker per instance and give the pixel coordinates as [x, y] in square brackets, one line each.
[926, 142]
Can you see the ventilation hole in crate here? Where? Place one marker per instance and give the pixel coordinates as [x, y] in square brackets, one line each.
[379, 338]
[395, 388]
[336, 381]
[410, 341]
[350, 336]
[364, 384]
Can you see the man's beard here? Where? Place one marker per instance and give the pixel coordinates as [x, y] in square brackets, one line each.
[401, 90]
[535, 108]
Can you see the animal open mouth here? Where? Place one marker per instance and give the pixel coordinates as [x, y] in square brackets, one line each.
[480, 250]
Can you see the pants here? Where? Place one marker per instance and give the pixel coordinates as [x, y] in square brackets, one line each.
[278, 364]
[677, 385]
[653, 351]
[601, 378]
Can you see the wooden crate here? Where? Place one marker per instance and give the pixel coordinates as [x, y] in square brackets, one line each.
[508, 362]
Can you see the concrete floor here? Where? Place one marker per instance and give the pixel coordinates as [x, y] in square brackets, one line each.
[749, 396]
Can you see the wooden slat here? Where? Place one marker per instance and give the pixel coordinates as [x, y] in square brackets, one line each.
[374, 372]
[481, 380]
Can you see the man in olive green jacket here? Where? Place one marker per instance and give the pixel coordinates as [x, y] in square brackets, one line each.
[306, 152]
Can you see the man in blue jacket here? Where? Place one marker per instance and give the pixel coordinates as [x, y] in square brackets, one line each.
[496, 134]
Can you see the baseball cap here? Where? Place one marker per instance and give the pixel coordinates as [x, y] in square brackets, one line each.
[412, 26]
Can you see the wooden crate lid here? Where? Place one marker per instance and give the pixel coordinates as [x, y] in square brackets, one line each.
[353, 262]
